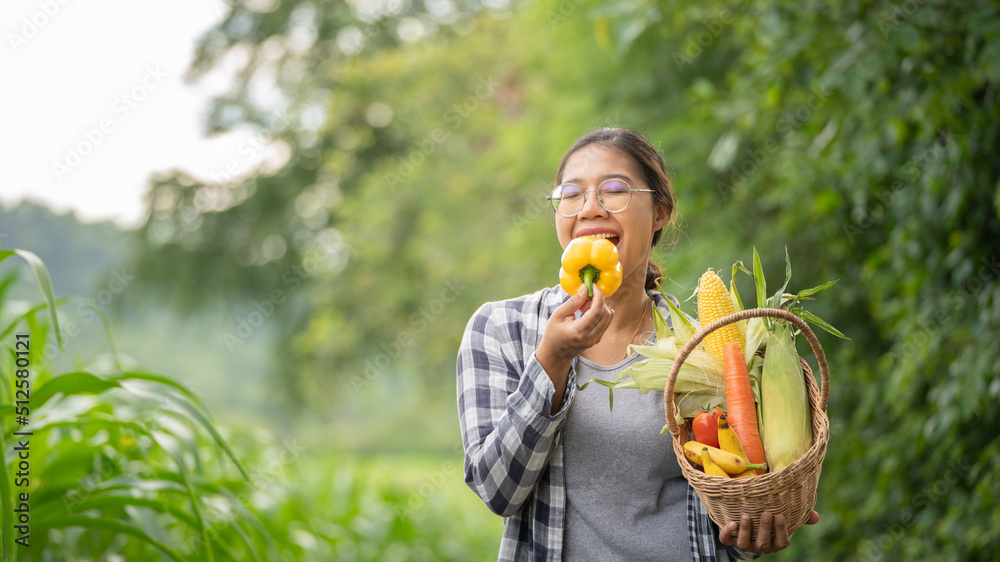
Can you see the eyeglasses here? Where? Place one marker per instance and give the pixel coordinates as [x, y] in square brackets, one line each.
[614, 195]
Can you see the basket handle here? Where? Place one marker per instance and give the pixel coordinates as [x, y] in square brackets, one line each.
[668, 391]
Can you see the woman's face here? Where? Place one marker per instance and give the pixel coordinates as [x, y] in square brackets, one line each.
[631, 230]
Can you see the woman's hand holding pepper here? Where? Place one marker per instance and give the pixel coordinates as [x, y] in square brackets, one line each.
[567, 336]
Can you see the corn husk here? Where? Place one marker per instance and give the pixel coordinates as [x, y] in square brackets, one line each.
[757, 335]
[699, 383]
[786, 421]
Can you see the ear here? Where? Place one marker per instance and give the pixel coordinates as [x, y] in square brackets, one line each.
[660, 217]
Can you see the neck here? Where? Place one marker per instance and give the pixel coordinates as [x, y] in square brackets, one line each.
[629, 303]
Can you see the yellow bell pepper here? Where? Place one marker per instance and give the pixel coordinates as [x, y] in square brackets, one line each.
[589, 260]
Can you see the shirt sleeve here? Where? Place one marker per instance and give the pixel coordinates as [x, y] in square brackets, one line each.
[504, 405]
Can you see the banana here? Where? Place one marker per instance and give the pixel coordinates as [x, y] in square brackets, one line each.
[728, 462]
[711, 467]
[749, 472]
[728, 440]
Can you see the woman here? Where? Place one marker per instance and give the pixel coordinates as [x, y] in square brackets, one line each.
[572, 479]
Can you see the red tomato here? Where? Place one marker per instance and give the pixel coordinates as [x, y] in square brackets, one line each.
[706, 429]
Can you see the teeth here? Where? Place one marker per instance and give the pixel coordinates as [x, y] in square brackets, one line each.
[604, 235]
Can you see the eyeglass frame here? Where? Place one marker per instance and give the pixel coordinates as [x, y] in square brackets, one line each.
[598, 192]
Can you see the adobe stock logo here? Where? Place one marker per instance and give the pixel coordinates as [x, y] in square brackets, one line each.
[32, 25]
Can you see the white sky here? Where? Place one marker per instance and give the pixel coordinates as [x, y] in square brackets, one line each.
[64, 75]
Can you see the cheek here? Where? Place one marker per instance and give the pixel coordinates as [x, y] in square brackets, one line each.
[564, 231]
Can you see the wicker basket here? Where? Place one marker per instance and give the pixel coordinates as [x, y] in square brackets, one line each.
[790, 491]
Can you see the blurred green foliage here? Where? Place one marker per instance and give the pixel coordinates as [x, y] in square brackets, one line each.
[862, 135]
[112, 464]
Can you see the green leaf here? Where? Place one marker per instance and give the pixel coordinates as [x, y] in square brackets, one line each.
[104, 501]
[734, 293]
[775, 301]
[810, 317]
[660, 324]
[104, 523]
[107, 331]
[171, 402]
[682, 325]
[807, 292]
[758, 280]
[44, 283]
[26, 316]
[79, 382]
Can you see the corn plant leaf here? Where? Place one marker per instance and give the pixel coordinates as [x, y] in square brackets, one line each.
[810, 317]
[756, 336]
[44, 283]
[660, 324]
[107, 332]
[734, 293]
[173, 402]
[683, 329]
[105, 523]
[758, 280]
[79, 382]
[808, 292]
[105, 501]
[611, 390]
[775, 301]
[25, 316]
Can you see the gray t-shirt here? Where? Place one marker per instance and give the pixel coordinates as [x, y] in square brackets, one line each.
[626, 498]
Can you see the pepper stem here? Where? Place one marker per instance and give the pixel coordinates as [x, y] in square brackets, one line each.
[589, 274]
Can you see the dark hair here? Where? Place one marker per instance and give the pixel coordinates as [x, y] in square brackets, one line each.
[651, 166]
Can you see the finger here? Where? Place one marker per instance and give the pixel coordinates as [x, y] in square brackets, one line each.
[598, 330]
[596, 311]
[780, 533]
[573, 304]
[743, 539]
[764, 533]
[813, 518]
[726, 534]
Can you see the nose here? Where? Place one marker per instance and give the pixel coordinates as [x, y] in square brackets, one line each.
[592, 207]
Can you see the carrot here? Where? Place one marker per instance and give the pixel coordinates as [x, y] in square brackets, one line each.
[741, 411]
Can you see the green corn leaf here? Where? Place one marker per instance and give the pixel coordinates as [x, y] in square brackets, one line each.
[758, 280]
[756, 336]
[682, 325]
[247, 515]
[660, 325]
[807, 292]
[44, 283]
[79, 382]
[775, 301]
[27, 315]
[810, 317]
[105, 501]
[107, 332]
[172, 402]
[104, 523]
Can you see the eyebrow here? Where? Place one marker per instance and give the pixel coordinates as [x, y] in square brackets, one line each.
[605, 177]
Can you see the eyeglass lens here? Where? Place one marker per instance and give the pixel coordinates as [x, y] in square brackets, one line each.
[613, 195]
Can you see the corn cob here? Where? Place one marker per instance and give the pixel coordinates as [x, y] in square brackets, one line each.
[714, 302]
[786, 421]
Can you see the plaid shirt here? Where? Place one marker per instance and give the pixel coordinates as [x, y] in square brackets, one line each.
[513, 447]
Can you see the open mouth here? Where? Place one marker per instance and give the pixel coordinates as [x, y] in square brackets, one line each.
[613, 238]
